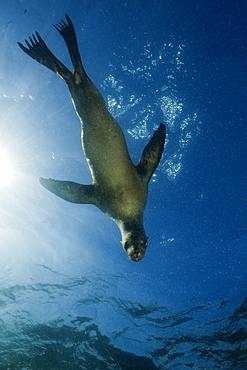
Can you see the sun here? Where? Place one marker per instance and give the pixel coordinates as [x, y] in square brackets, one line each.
[6, 171]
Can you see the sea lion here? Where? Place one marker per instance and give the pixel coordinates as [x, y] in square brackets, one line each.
[119, 189]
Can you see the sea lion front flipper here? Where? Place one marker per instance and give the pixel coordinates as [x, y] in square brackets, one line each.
[151, 154]
[70, 191]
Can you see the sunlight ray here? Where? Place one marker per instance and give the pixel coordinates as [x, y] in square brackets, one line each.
[6, 171]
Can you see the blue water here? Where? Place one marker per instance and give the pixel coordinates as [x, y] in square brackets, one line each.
[69, 297]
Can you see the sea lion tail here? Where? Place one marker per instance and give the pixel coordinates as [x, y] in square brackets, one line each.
[67, 31]
[38, 50]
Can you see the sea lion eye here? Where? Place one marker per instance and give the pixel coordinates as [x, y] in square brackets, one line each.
[126, 246]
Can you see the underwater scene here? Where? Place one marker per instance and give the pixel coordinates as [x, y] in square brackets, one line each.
[158, 285]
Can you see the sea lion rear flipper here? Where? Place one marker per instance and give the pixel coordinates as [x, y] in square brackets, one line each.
[151, 154]
[38, 50]
[67, 31]
[70, 191]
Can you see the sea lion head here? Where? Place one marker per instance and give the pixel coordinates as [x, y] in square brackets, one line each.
[135, 246]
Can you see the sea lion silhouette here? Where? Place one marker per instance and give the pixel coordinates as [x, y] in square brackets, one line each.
[119, 188]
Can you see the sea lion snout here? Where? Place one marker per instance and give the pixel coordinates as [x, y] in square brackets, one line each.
[137, 256]
[135, 250]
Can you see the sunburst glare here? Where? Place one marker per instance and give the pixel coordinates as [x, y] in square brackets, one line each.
[6, 171]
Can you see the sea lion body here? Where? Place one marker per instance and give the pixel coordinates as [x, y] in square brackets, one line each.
[107, 155]
[119, 188]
